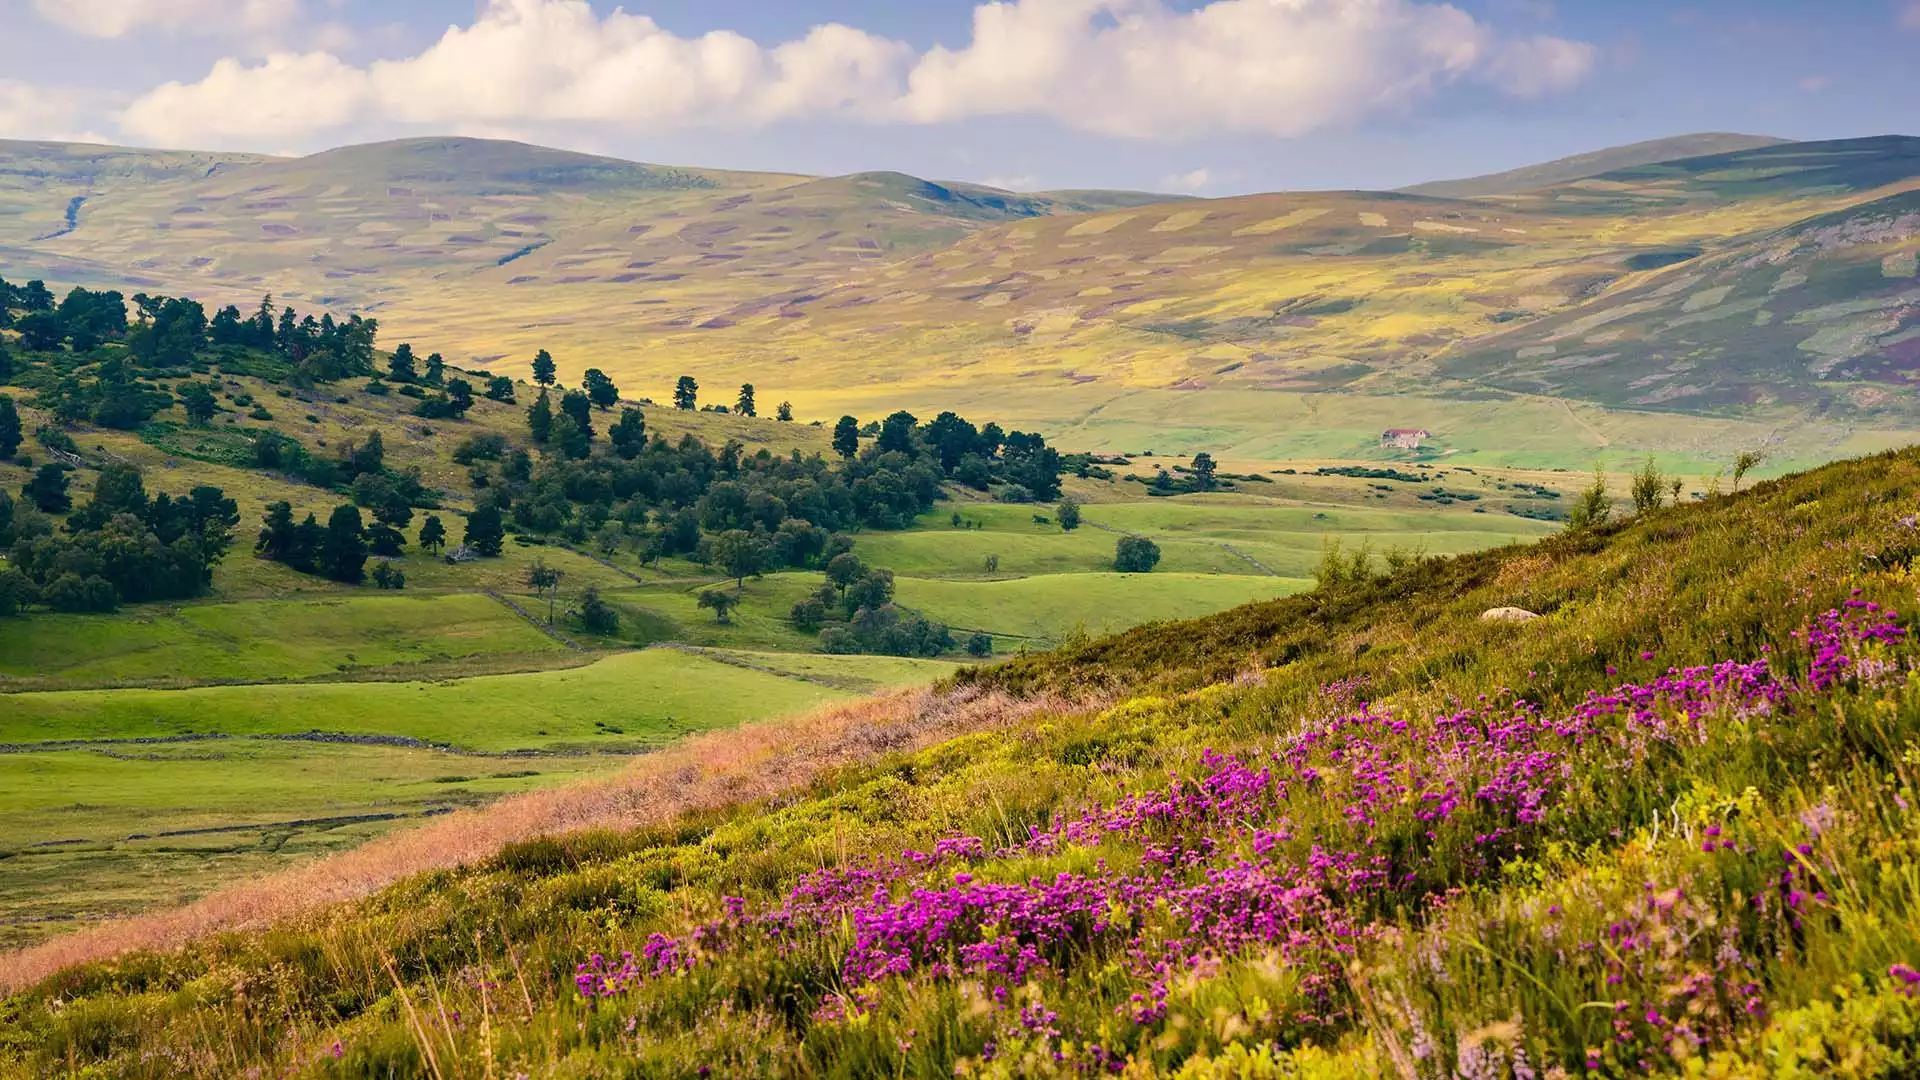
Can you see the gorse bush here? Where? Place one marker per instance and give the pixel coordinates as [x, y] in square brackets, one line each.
[1666, 829]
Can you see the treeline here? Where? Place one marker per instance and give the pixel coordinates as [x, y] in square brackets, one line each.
[123, 547]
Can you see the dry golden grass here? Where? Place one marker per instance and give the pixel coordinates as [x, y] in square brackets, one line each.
[742, 765]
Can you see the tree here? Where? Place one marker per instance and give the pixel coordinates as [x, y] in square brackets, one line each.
[846, 437]
[9, 428]
[629, 435]
[784, 412]
[460, 396]
[1068, 513]
[543, 368]
[343, 553]
[992, 563]
[740, 554]
[1649, 487]
[486, 533]
[896, 433]
[500, 388]
[1593, 508]
[277, 533]
[48, 489]
[540, 419]
[596, 615]
[387, 575]
[579, 408]
[600, 389]
[1135, 555]
[436, 369]
[809, 615]
[6, 358]
[980, 645]
[744, 404]
[197, 399]
[845, 569]
[576, 444]
[1203, 471]
[1742, 465]
[433, 535]
[401, 368]
[686, 394]
[720, 602]
[544, 579]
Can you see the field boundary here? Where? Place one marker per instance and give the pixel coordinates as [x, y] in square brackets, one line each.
[545, 628]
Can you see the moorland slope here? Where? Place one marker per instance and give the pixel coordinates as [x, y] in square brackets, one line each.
[1663, 829]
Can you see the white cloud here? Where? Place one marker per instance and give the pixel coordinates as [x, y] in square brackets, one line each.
[1132, 68]
[1188, 182]
[1278, 67]
[118, 18]
[32, 112]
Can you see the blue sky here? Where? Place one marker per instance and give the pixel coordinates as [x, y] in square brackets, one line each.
[1210, 96]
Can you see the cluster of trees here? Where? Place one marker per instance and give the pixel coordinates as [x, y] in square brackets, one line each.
[1020, 464]
[340, 549]
[854, 612]
[123, 547]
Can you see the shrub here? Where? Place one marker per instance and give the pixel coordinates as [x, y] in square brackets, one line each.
[1135, 555]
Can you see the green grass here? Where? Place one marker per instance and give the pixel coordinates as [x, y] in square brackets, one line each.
[1605, 890]
[262, 640]
[1043, 610]
[649, 696]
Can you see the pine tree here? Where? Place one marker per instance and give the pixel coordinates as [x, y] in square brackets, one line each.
[343, 554]
[846, 437]
[784, 412]
[744, 404]
[400, 368]
[433, 535]
[540, 419]
[686, 394]
[436, 369]
[629, 436]
[9, 428]
[600, 389]
[543, 368]
[486, 533]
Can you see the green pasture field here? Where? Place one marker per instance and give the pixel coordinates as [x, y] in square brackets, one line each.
[1041, 611]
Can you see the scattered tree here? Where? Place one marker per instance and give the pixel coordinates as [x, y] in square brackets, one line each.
[992, 563]
[846, 437]
[740, 555]
[600, 389]
[784, 412]
[543, 368]
[744, 404]
[1203, 471]
[436, 369]
[1745, 463]
[629, 435]
[540, 419]
[980, 645]
[544, 580]
[500, 388]
[486, 533]
[1593, 508]
[720, 602]
[1135, 555]
[1649, 487]
[198, 401]
[433, 535]
[48, 489]
[400, 368]
[9, 428]
[596, 615]
[343, 551]
[686, 394]
[388, 575]
[1068, 514]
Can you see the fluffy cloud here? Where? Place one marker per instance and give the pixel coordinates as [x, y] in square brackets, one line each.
[1131, 68]
[1278, 67]
[31, 112]
[118, 18]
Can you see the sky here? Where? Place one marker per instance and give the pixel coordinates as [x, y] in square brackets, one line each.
[1209, 97]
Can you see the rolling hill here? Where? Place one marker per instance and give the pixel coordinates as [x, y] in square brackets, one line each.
[1581, 166]
[1264, 326]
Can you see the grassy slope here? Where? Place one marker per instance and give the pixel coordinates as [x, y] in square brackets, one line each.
[1730, 579]
[1133, 319]
[1593, 163]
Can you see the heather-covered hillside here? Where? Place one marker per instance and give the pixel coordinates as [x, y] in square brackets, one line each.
[1665, 828]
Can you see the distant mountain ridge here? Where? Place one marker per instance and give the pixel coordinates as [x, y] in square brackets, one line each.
[1593, 163]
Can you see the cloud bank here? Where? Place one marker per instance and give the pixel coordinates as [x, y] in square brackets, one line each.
[1135, 69]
